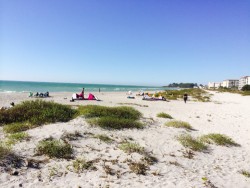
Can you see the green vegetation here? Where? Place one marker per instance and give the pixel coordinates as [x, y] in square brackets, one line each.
[104, 138]
[111, 117]
[71, 136]
[179, 124]
[4, 151]
[183, 85]
[124, 112]
[17, 137]
[115, 123]
[188, 142]
[244, 92]
[79, 165]
[196, 94]
[164, 115]
[128, 147]
[218, 139]
[54, 148]
[36, 112]
[17, 127]
[246, 88]
[245, 173]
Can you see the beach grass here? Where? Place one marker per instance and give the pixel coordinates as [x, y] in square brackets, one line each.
[17, 127]
[17, 137]
[54, 149]
[115, 123]
[164, 115]
[124, 112]
[179, 124]
[189, 142]
[218, 139]
[79, 165]
[37, 112]
[104, 138]
[71, 136]
[129, 147]
[4, 151]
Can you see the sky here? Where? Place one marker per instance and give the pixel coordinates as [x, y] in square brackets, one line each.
[135, 42]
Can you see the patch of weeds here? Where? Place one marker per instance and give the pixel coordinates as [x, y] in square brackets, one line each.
[4, 151]
[149, 160]
[17, 137]
[208, 183]
[115, 123]
[245, 173]
[218, 139]
[79, 165]
[179, 124]
[108, 170]
[54, 148]
[71, 136]
[17, 127]
[164, 115]
[174, 163]
[104, 138]
[188, 142]
[128, 147]
[188, 154]
[138, 168]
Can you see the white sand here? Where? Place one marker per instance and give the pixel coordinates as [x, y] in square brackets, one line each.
[227, 114]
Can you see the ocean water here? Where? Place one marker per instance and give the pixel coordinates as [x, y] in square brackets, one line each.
[21, 86]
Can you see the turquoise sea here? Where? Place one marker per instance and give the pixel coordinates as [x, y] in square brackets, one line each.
[24, 86]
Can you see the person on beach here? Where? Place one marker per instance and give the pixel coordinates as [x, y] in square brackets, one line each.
[185, 97]
[81, 95]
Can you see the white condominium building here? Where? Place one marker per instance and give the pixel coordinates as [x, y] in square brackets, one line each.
[230, 83]
[244, 81]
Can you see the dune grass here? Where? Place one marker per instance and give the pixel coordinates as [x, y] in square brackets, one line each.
[115, 123]
[4, 151]
[104, 138]
[188, 142]
[164, 115]
[218, 139]
[128, 147]
[17, 127]
[34, 113]
[138, 168]
[79, 165]
[124, 112]
[111, 117]
[54, 149]
[17, 137]
[179, 124]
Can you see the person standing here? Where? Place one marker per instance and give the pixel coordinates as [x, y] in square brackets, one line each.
[185, 97]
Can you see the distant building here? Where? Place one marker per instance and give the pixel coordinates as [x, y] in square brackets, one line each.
[230, 83]
[214, 85]
[244, 81]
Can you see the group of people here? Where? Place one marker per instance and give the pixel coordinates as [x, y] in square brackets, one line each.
[46, 94]
[80, 96]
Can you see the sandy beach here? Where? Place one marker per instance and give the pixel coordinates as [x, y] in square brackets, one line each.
[226, 114]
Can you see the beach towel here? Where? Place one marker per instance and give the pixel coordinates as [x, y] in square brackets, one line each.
[91, 97]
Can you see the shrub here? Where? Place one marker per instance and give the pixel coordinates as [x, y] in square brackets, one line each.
[115, 123]
[71, 136]
[188, 142]
[179, 124]
[246, 88]
[128, 147]
[54, 148]
[91, 111]
[17, 127]
[218, 139]
[104, 138]
[164, 115]
[37, 112]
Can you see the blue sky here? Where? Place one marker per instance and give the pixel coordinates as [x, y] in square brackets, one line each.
[142, 42]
